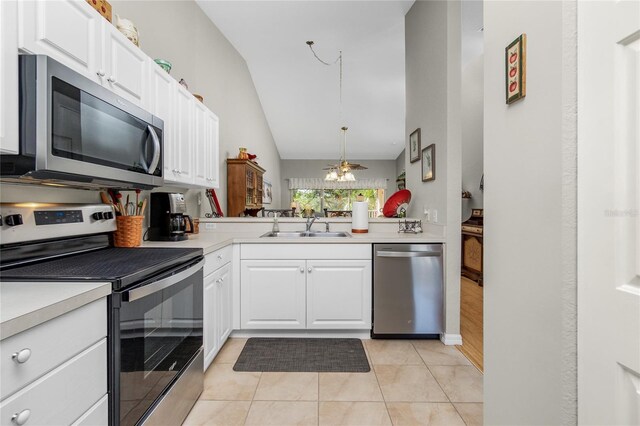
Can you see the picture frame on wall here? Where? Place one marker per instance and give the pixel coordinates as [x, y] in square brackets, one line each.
[429, 163]
[267, 192]
[414, 146]
[515, 61]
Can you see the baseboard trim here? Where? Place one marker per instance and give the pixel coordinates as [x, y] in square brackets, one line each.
[357, 334]
[451, 339]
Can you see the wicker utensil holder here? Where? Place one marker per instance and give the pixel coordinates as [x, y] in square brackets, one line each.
[129, 232]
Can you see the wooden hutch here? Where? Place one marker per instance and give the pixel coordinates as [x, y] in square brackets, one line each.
[244, 186]
[472, 246]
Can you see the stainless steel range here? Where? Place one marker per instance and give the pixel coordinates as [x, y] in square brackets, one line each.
[155, 309]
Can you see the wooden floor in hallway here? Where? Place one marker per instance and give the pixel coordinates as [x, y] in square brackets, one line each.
[471, 321]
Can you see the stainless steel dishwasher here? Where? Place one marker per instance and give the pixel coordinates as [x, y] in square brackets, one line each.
[407, 290]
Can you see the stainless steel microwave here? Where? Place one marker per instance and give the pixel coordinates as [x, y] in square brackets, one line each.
[74, 132]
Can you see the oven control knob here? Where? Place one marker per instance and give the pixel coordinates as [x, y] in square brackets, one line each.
[13, 219]
[97, 216]
[107, 215]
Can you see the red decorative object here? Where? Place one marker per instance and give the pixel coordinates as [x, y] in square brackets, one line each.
[394, 202]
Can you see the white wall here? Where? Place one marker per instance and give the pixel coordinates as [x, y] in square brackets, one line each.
[432, 36]
[472, 133]
[313, 169]
[400, 163]
[181, 33]
[529, 202]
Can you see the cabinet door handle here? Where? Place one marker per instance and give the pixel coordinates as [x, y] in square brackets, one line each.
[21, 417]
[219, 280]
[302, 270]
[111, 79]
[22, 356]
[220, 256]
[310, 269]
[100, 73]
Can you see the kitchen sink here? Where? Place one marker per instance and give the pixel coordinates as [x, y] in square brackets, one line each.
[302, 234]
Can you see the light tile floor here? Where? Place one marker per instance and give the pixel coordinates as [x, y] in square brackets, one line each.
[412, 382]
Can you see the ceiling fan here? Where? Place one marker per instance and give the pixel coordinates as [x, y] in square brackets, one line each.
[342, 170]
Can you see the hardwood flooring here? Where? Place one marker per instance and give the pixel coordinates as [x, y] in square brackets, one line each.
[471, 321]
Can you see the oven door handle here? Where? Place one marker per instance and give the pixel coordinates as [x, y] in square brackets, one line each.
[140, 292]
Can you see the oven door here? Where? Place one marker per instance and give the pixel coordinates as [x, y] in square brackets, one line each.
[156, 332]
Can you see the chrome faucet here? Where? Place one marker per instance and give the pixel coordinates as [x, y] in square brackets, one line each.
[310, 221]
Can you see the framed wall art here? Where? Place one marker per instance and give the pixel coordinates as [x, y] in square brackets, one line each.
[267, 192]
[429, 163]
[414, 146]
[515, 61]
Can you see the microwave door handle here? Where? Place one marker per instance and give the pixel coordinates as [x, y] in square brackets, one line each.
[156, 150]
[140, 292]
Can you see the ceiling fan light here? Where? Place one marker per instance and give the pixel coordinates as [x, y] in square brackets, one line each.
[349, 177]
[331, 176]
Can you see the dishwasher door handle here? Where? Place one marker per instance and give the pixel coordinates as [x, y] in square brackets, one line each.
[382, 253]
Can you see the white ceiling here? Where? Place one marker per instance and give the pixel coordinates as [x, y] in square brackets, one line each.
[471, 30]
[300, 95]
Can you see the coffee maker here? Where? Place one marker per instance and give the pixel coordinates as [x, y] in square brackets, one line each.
[168, 221]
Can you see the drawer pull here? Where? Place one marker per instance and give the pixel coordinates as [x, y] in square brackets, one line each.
[22, 356]
[302, 270]
[21, 417]
[220, 256]
[310, 269]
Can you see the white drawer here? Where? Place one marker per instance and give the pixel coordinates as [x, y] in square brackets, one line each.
[303, 251]
[98, 415]
[218, 258]
[64, 394]
[51, 344]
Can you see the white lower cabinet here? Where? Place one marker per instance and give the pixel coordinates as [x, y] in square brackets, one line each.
[339, 294]
[60, 373]
[273, 294]
[217, 305]
[305, 293]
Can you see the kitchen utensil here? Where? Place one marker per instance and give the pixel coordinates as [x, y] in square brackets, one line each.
[142, 207]
[105, 198]
[130, 209]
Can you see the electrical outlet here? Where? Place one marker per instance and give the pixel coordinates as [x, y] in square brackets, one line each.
[209, 226]
[434, 215]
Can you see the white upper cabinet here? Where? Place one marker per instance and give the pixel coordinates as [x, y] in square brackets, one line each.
[68, 31]
[125, 66]
[9, 142]
[201, 138]
[162, 90]
[73, 33]
[212, 150]
[183, 141]
[206, 147]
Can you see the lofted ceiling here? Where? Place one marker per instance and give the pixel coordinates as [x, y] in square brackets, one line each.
[300, 96]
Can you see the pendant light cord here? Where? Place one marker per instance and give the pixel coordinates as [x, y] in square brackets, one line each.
[337, 61]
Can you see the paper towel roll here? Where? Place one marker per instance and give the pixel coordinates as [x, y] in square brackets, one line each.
[360, 217]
